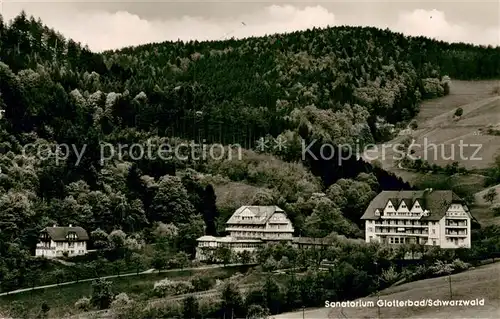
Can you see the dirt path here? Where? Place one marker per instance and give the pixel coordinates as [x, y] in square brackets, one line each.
[149, 271]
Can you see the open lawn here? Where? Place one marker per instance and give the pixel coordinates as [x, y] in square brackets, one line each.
[62, 299]
[482, 209]
[479, 196]
[482, 282]
[478, 150]
[461, 93]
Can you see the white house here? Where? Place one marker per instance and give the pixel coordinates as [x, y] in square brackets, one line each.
[436, 218]
[249, 227]
[55, 241]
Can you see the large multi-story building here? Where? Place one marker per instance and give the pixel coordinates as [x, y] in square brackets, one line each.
[249, 227]
[436, 218]
[59, 241]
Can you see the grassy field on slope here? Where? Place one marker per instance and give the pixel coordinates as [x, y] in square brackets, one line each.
[481, 107]
[482, 209]
[482, 282]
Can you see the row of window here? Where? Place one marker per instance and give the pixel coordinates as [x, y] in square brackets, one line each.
[378, 230]
[452, 223]
[70, 244]
[402, 240]
[72, 236]
[403, 205]
[46, 244]
[403, 222]
[246, 217]
[206, 244]
[404, 214]
[259, 234]
[70, 252]
[248, 226]
[232, 245]
[244, 245]
[451, 232]
[280, 226]
[456, 241]
[455, 214]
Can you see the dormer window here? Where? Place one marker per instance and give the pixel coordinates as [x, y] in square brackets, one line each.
[377, 212]
[71, 236]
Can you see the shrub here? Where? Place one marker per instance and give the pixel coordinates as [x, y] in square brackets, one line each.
[446, 82]
[440, 268]
[496, 90]
[257, 311]
[432, 88]
[390, 275]
[496, 209]
[459, 265]
[202, 283]
[83, 304]
[102, 294]
[420, 272]
[284, 263]
[167, 287]
[270, 264]
[121, 300]
[413, 125]
[459, 112]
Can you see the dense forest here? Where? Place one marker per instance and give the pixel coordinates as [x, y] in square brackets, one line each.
[339, 85]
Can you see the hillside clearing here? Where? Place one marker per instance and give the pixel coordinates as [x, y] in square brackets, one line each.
[479, 196]
[482, 209]
[436, 125]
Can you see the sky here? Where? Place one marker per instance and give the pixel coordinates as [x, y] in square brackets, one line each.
[113, 24]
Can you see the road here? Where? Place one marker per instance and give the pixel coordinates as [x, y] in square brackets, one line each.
[149, 271]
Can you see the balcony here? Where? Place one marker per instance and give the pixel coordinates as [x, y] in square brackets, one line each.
[453, 224]
[278, 221]
[402, 233]
[402, 215]
[400, 230]
[260, 230]
[455, 233]
[400, 225]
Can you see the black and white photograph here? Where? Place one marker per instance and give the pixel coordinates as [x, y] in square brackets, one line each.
[258, 159]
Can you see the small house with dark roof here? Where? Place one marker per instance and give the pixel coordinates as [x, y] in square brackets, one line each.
[60, 241]
[437, 218]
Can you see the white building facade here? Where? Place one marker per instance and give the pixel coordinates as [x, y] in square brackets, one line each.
[249, 228]
[60, 241]
[434, 218]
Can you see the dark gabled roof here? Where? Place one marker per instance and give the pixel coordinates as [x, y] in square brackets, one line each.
[436, 202]
[60, 233]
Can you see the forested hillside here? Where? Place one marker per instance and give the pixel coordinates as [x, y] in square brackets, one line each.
[335, 85]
